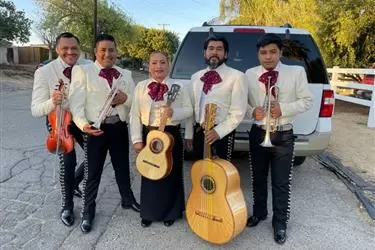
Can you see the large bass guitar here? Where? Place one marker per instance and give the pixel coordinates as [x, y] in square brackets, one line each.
[155, 159]
[216, 210]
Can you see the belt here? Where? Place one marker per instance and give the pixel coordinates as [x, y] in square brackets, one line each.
[112, 119]
[155, 128]
[284, 127]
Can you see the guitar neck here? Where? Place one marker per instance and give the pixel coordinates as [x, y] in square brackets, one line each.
[207, 151]
[164, 117]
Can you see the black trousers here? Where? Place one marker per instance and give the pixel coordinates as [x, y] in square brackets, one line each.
[164, 199]
[115, 139]
[280, 159]
[70, 177]
[222, 148]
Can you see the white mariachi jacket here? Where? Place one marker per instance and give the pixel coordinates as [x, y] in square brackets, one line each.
[143, 105]
[46, 79]
[230, 96]
[89, 91]
[294, 95]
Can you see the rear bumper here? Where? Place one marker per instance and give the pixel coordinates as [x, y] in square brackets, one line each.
[305, 145]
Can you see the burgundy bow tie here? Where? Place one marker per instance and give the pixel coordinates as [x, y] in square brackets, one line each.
[157, 91]
[68, 72]
[109, 74]
[264, 79]
[210, 78]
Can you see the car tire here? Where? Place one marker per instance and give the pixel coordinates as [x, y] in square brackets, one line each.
[299, 160]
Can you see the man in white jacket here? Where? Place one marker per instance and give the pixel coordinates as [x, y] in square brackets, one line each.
[221, 85]
[89, 91]
[291, 97]
[45, 98]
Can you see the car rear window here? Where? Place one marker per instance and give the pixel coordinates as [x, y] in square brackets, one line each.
[299, 49]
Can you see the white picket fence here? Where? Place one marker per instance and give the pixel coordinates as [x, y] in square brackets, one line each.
[336, 82]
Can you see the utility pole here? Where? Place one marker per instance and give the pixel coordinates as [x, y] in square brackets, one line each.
[94, 27]
[163, 25]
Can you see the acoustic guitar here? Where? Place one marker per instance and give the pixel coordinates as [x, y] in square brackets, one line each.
[216, 210]
[155, 160]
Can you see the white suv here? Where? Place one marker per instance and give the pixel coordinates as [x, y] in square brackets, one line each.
[312, 129]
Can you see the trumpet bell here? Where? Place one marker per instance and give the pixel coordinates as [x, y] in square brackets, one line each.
[267, 144]
[267, 141]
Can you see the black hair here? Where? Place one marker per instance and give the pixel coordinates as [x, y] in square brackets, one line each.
[104, 37]
[219, 39]
[269, 38]
[66, 35]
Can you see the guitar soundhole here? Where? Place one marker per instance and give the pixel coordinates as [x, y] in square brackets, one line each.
[156, 146]
[208, 184]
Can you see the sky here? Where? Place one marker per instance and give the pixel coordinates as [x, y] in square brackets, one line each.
[173, 15]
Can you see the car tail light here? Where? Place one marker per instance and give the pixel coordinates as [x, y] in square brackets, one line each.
[328, 102]
[249, 30]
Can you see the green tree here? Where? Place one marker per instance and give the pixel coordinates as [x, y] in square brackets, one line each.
[48, 29]
[76, 16]
[148, 40]
[14, 25]
[343, 29]
[346, 33]
[270, 12]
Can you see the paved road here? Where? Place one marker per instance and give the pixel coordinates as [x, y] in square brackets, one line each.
[325, 215]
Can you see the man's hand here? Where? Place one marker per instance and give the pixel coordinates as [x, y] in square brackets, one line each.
[258, 113]
[119, 98]
[138, 147]
[189, 145]
[211, 136]
[88, 129]
[168, 110]
[57, 97]
[275, 110]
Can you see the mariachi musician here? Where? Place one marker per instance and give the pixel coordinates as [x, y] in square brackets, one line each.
[89, 93]
[45, 98]
[221, 85]
[289, 97]
[161, 200]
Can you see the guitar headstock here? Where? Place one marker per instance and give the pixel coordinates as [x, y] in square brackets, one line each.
[173, 92]
[209, 116]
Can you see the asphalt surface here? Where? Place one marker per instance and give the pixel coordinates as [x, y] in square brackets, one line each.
[324, 215]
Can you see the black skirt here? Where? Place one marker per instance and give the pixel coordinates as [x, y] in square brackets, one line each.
[164, 199]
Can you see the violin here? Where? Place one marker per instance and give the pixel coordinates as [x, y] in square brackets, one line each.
[59, 140]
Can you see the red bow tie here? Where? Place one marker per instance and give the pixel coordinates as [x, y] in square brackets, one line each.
[109, 74]
[157, 91]
[68, 72]
[210, 78]
[272, 81]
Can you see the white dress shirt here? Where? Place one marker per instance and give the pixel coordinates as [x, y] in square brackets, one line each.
[230, 96]
[294, 96]
[89, 92]
[46, 80]
[145, 111]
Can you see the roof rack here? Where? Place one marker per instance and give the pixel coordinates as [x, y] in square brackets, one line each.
[286, 25]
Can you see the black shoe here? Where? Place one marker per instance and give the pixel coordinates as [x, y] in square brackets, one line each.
[135, 206]
[146, 223]
[279, 235]
[254, 220]
[86, 225]
[77, 192]
[168, 223]
[67, 217]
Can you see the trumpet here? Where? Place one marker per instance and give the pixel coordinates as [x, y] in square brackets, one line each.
[107, 108]
[267, 103]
